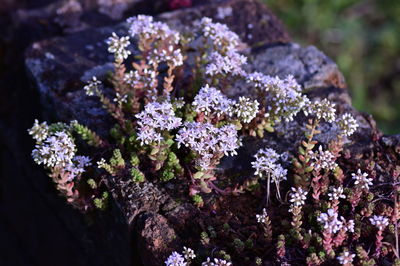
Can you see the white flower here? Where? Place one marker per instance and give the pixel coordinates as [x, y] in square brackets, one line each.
[298, 196]
[322, 110]
[212, 102]
[175, 259]
[336, 194]
[323, 160]
[349, 225]
[347, 124]
[346, 258]
[362, 179]
[284, 98]
[216, 262]
[223, 12]
[39, 132]
[219, 34]
[147, 29]
[57, 149]
[245, 109]
[188, 253]
[92, 88]
[117, 46]
[76, 167]
[229, 63]
[208, 141]
[379, 221]
[330, 221]
[262, 218]
[154, 118]
[266, 165]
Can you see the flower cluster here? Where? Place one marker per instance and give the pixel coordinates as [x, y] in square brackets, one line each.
[245, 109]
[146, 28]
[262, 218]
[322, 110]
[92, 88]
[117, 46]
[146, 79]
[173, 57]
[362, 179]
[348, 125]
[216, 262]
[57, 149]
[336, 193]
[346, 258]
[323, 160]
[211, 102]
[76, 167]
[284, 98]
[379, 221]
[220, 35]
[330, 221]
[298, 197]
[154, 118]
[266, 165]
[39, 132]
[230, 63]
[208, 141]
[175, 259]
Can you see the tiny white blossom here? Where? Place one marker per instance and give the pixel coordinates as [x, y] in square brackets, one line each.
[39, 132]
[245, 109]
[362, 179]
[323, 160]
[208, 141]
[330, 221]
[223, 12]
[379, 221]
[57, 149]
[216, 262]
[346, 258]
[212, 102]
[266, 165]
[92, 88]
[154, 118]
[117, 46]
[188, 253]
[284, 98]
[336, 194]
[230, 63]
[220, 35]
[298, 196]
[348, 125]
[262, 218]
[322, 110]
[175, 259]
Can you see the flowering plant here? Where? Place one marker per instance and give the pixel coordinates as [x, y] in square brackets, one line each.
[175, 123]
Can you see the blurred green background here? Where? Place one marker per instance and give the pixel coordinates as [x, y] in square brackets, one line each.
[363, 38]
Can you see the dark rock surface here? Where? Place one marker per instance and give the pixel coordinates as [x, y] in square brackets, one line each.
[58, 67]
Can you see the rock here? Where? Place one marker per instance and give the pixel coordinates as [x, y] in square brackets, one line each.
[155, 238]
